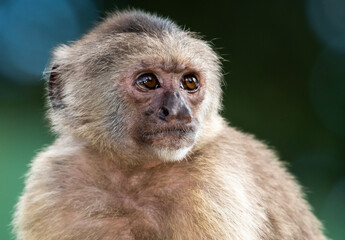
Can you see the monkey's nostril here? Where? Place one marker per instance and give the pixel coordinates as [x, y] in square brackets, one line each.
[163, 113]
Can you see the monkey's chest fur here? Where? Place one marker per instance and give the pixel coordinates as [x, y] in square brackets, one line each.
[86, 197]
[145, 202]
[142, 202]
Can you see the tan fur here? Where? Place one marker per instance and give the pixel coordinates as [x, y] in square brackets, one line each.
[97, 182]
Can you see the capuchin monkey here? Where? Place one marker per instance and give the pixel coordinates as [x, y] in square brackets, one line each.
[142, 151]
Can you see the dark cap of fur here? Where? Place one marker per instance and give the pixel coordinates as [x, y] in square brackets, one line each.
[137, 22]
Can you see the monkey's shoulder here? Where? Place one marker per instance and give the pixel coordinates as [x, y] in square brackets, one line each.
[234, 146]
[251, 166]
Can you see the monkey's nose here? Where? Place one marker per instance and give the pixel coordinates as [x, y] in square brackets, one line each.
[182, 114]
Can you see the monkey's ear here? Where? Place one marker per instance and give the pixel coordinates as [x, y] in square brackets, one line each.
[55, 88]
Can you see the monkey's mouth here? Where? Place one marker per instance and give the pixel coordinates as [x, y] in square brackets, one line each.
[173, 137]
[172, 131]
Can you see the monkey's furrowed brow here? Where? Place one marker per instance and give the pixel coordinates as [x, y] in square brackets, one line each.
[167, 67]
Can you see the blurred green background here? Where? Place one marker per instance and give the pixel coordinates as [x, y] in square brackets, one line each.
[284, 74]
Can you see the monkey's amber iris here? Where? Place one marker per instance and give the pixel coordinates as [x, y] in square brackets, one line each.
[190, 83]
[147, 81]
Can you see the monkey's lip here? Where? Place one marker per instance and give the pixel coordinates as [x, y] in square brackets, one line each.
[169, 131]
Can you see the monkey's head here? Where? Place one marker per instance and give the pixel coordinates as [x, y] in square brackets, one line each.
[138, 86]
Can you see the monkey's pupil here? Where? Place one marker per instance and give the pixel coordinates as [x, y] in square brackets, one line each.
[191, 83]
[149, 82]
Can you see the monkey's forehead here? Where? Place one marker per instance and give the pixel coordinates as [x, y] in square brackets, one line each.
[172, 65]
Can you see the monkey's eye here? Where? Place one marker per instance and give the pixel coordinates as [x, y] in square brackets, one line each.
[147, 81]
[190, 83]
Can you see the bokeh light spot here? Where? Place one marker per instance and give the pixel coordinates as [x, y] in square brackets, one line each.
[327, 18]
[29, 30]
[334, 210]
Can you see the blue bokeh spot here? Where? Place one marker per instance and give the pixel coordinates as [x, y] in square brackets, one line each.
[29, 30]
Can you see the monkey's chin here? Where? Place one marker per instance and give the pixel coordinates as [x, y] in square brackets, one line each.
[172, 155]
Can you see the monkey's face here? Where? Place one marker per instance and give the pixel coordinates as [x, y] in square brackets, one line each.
[140, 96]
[165, 101]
